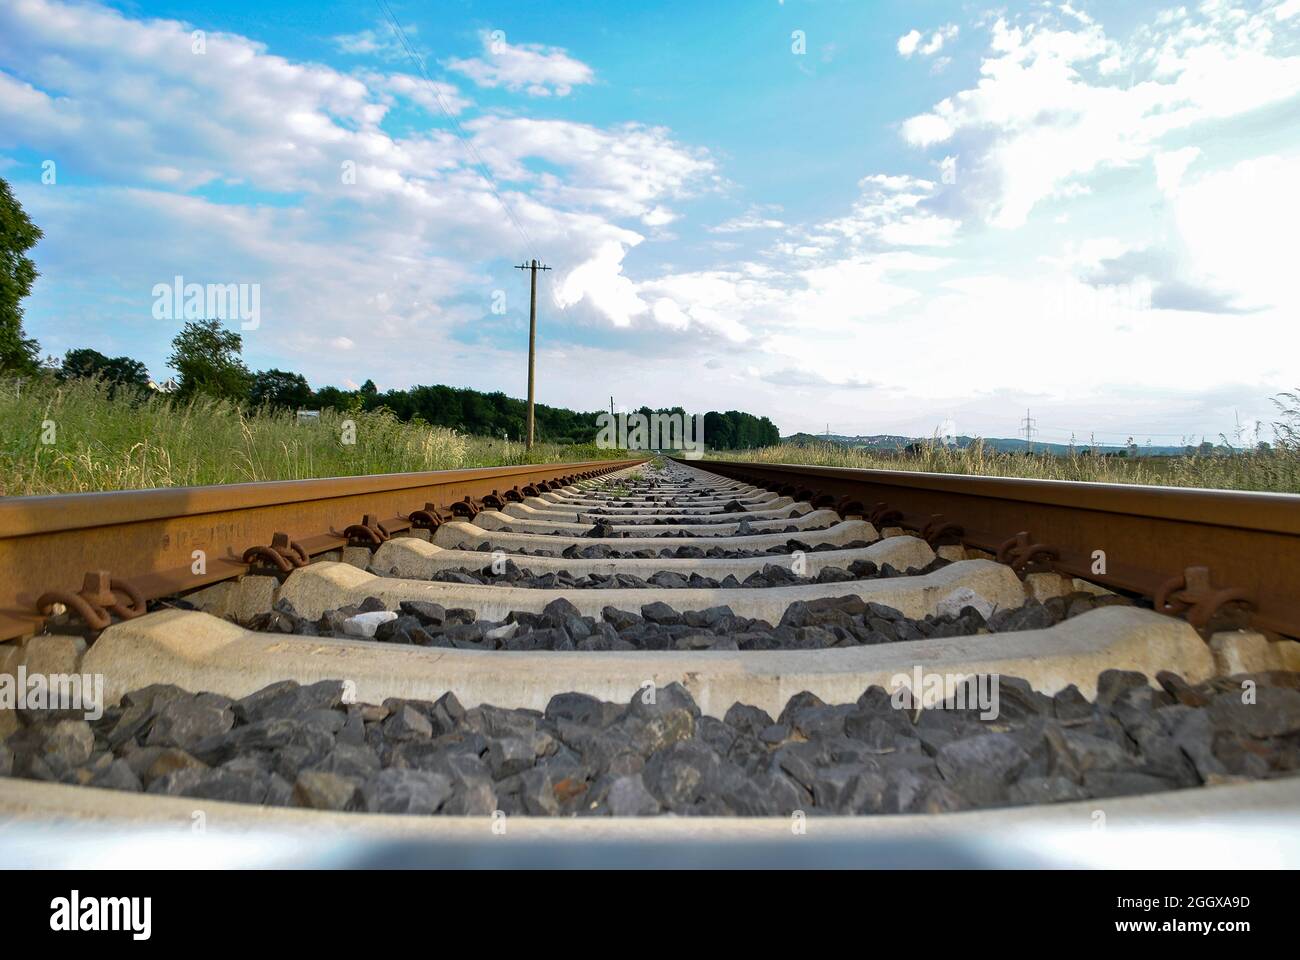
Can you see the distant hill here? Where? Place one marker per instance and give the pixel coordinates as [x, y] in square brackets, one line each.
[878, 442]
[891, 442]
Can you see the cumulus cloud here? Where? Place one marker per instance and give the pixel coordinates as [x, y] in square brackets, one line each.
[1079, 15]
[118, 96]
[1047, 113]
[911, 42]
[436, 97]
[908, 42]
[1229, 237]
[721, 303]
[234, 168]
[390, 231]
[1053, 107]
[1158, 279]
[537, 70]
[624, 170]
[843, 271]
[600, 281]
[1236, 224]
[891, 211]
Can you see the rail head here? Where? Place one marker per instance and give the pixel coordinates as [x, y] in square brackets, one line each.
[1189, 550]
[1245, 509]
[23, 516]
[165, 541]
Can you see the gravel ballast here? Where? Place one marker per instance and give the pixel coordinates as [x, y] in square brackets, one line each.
[303, 746]
[772, 575]
[602, 551]
[806, 625]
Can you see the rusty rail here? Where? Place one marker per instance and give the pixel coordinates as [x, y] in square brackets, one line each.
[114, 551]
[1189, 550]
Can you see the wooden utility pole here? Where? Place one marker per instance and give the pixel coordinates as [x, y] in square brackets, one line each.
[532, 266]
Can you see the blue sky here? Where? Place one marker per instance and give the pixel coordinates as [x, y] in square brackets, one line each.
[885, 217]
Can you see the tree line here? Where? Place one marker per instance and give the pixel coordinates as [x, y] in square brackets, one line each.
[207, 359]
[208, 362]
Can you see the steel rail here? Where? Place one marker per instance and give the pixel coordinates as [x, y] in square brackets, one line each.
[166, 541]
[1154, 541]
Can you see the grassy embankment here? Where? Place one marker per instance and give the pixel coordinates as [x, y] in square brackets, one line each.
[1277, 470]
[117, 443]
[120, 443]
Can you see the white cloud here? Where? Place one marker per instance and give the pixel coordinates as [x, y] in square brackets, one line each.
[1043, 114]
[1079, 15]
[538, 70]
[667, 313]
[378, 41]
[1238, 227]
[928, 128]
[1226, 249]
[600, 281]
[795, 377]
[398, 249]
[938, 38]
[410, 254]
[910, 42]
[1172, 165]
[753, 219]
[625, 170]
[658, 217]
[434, 96]
[890, 212]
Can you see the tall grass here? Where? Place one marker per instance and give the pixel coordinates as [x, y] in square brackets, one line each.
[107, 442]
[1276, 470]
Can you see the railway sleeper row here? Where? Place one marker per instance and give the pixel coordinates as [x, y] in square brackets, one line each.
[500, 666]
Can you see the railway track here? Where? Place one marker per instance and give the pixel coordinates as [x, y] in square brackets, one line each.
[629, 639]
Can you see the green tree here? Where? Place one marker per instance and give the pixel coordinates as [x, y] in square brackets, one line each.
[331, 397]
[488, 414]
[369, 395]
[280, 388]
[18, 352]
[206, 356]
[119, 371]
